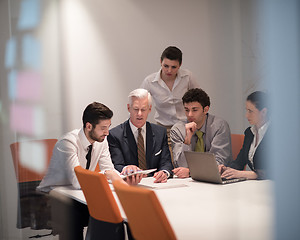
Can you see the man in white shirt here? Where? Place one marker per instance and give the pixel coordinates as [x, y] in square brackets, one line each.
[71, 149]
[85, 147]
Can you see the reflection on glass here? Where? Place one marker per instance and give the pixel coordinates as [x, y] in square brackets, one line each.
[29, 14]
[31, 52]
[11, 51]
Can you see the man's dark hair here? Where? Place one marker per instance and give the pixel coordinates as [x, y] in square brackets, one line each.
[259, 99]
[172, 53]
[196, 95]
[96, 112]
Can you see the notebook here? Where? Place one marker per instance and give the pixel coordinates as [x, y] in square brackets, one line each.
[203, 167]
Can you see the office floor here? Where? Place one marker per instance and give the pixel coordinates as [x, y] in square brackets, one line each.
[28, 233]
[33, 208]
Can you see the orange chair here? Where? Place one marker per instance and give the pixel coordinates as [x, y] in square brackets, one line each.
[146, 217]
[97, 169]
[24, 174]
[105, 217]
[33, 207]
[236, 144]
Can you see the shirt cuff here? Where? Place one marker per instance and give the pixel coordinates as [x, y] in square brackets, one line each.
[168, 174]
[186, 147]
[116, 171]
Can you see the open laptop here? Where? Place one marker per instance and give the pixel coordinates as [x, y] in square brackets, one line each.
[203, 167]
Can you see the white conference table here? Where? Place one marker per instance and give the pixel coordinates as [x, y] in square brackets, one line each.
[198, 210]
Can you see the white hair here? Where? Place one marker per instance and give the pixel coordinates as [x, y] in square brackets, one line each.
[139, 93]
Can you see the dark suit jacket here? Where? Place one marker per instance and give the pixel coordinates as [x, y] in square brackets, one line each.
[123, 147]
[260, 157]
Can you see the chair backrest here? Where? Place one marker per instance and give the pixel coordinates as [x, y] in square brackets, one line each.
[100, 200]
[145, 215]
[97, 169]
[236, 144]
[23, 173]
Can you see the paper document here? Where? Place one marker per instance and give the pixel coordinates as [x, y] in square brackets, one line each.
[171, 183]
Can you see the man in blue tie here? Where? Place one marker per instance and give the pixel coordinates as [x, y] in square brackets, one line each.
[202, 132]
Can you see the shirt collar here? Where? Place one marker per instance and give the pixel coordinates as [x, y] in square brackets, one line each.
[180, 74]
[83, 139]
[135, 129]
[203, 128]
[262, 130]
[157, 77]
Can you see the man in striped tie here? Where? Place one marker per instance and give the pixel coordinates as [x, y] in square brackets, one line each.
[137, 144]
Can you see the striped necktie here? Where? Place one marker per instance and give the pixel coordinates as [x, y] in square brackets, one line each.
[141, 150]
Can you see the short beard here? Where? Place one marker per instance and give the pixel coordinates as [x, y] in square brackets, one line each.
[94, 138]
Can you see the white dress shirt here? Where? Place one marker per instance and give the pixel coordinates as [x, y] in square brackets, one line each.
[135, 132]
[70, 151]
[261, 133]
[168, 104]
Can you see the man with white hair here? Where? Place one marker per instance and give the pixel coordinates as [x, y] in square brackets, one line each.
[137, 144]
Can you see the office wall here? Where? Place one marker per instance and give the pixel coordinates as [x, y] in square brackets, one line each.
[109, 47]
[96, 50]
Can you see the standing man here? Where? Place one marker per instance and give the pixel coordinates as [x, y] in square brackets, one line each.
[203, 132]
[167, 87]
[137, 144]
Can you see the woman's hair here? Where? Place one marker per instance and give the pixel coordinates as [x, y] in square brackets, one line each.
[259, 99]
[172, 53]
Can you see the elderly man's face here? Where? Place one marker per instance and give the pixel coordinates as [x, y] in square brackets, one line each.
[139, 111]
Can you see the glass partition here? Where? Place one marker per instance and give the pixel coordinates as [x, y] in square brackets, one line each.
[30, 106]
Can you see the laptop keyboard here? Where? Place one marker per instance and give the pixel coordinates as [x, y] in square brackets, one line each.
[233, 180]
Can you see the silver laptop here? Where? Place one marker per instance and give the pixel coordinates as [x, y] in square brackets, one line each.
[203, 167]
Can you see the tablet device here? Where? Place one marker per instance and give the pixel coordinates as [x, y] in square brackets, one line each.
[147, 171]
